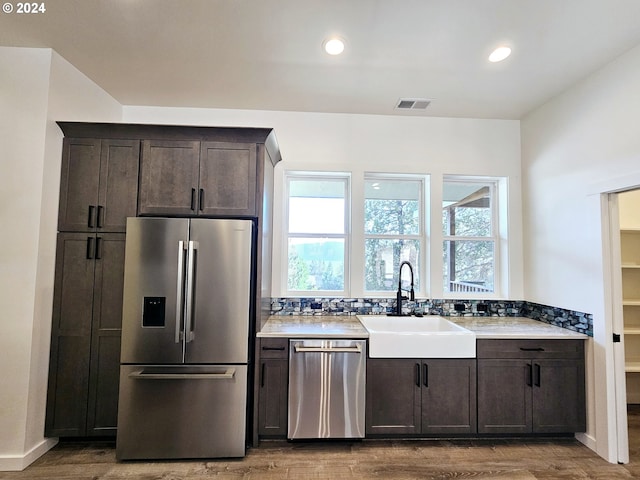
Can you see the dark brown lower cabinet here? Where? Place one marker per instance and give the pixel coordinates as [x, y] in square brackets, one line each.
[82, 397]
[273, 381]
[449, 396]
[542, 391]
[420, 396]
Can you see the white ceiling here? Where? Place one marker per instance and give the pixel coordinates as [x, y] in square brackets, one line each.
[266, 54]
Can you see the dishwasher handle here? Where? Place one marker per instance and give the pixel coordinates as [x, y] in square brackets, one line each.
[303, 349]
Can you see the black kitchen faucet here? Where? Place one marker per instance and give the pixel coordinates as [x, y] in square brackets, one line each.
[399, 296]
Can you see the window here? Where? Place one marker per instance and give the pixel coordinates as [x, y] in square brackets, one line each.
[393, 230]
[337, 223]
[317, 241]
[469, 223]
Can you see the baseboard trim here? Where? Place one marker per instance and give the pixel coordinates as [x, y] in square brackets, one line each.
[587, 440]
[18, 463]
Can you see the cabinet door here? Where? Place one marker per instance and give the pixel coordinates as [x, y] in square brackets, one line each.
[227, 179]
[118, 193]
[168, 177]
[558, 396]
[104, 373]
[272, 402]
[70, 335]
[393, 396]
[449, 396]
[79, 181]
[504, 396]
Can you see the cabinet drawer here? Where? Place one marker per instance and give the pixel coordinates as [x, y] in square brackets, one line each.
[274, 348]
[530, 348]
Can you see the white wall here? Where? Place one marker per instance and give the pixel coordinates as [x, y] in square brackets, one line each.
[37, 88]
[577, 145]
[359, 143]
[24, 87]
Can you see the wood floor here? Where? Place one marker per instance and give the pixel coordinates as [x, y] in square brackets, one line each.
[389, 460]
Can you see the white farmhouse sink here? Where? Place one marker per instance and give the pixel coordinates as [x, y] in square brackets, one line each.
[430, 336]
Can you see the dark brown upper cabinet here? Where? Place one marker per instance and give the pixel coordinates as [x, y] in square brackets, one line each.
[184, 171]
[98, 185]
[198, 178]
[169, 177]
[227, 179]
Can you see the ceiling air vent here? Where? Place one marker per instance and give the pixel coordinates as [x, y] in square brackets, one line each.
[412, 104]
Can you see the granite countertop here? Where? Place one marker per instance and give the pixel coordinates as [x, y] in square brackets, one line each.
[307, 326]
[514, 327]
[335, 326]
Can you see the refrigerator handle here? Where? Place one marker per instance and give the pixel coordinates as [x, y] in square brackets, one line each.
[180, 293]
[188, 324]
[142, 375]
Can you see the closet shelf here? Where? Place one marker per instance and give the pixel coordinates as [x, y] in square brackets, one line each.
[632, 367]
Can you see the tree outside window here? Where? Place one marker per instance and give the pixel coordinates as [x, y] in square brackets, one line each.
[319, 244]
[469, 236]
[393, 226]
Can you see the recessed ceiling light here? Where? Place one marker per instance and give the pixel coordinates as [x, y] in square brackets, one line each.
[499, 54]
[334, 46]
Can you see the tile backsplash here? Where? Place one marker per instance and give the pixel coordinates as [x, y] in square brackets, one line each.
[572, 320]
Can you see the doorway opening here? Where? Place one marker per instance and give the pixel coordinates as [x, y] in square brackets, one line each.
[625, 256]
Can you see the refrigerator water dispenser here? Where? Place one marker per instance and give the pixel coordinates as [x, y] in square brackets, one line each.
[153, 309]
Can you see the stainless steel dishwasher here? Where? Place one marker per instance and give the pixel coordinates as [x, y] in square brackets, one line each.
[327, 388]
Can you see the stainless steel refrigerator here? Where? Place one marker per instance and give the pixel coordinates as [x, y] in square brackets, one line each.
[185, 337]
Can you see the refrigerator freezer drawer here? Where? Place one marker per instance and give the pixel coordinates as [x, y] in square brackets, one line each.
[170, 412]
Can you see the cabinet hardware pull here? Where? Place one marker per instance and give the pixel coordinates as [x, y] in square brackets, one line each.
[98, 248]
[273, 348]
[193, 199]
[536, 349]
[100, 217]
[417, 374]
[537, 375]
[262, 375]
[90, 219]
[89, 248]
[529, 375]
[426, 374]
[201, 199]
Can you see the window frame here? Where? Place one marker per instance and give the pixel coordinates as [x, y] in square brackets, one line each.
[420, 237]
[495, 236]
[343, 177]
[431, 268]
